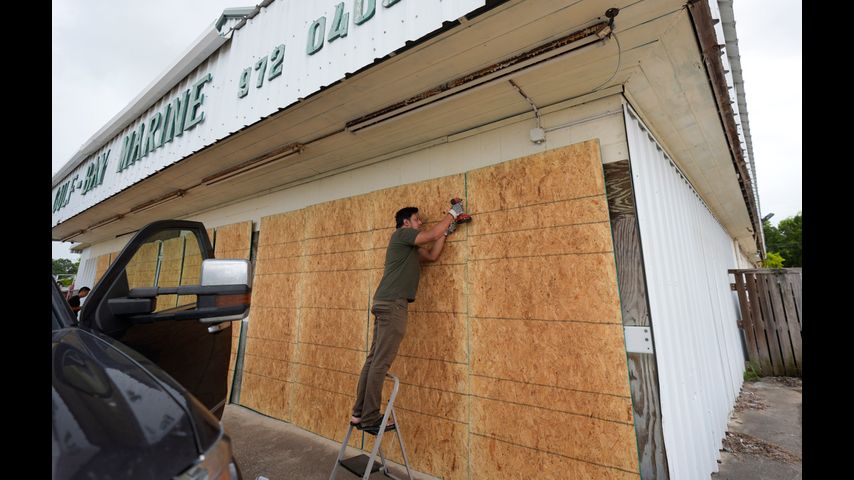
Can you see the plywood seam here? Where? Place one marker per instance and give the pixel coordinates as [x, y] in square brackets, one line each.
[552, 386]
[553, 453]
[332, 346]
[431, 359]
[539, 228]
[322, 389]
[589, 322]
[428, 414]
[540, 407]
[550, 202]
[541, 256]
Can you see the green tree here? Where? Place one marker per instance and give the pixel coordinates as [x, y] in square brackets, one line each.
[773, 260]
[785, 239]
[64, 266]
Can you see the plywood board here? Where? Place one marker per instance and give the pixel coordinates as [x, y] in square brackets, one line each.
[560, 287]
[580, 356]
[561, 174]
[520, 316]
[171, 263]
[497, 460]
[234, 241]
[595, 441]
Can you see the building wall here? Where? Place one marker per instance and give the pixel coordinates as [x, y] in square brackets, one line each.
[693, 312]
[514, 357]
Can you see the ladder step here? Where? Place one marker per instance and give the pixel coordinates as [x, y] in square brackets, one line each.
[376, 429]
[357, 465]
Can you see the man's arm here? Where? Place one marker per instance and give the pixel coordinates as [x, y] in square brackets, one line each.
[433, 254]
[435, 233]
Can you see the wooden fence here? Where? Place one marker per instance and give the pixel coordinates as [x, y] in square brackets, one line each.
[770, 302]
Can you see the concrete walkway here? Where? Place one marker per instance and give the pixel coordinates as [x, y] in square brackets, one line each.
[764, 438]
[277, 450]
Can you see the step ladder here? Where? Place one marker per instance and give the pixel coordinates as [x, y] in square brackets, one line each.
[364, 465]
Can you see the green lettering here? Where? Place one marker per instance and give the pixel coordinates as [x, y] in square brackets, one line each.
[360, 14]
[103, 169]
[123, 157]
[181, 112]
[261, 65]
[339, 24]
[244, 83]
[315, 36]
[388, 3]
[136, 146]
[194, 115]
[153, 125]
[276, 61]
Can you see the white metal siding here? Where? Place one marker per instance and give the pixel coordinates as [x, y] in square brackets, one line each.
[693, 312]
[280, 23]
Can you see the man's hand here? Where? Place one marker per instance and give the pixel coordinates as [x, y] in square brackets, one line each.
[451, 229]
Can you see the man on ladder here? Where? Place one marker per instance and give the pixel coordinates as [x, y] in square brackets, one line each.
[396, 291]
[406, 249]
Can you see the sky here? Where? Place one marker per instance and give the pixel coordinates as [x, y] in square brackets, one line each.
[103, 53]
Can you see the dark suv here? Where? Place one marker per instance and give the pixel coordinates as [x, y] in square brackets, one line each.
[139, 382]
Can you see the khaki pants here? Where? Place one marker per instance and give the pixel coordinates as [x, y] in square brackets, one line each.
[389, 328]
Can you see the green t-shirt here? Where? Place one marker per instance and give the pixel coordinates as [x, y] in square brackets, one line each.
[402, 267]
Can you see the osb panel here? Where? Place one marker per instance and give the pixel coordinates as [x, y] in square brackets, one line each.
[338, 261]
[191, 273]
[334, 327]
[275, 349]
[142, 267]
[266, 266]
[596, 405]
[280, 250]
[589, 238]
[323, 412]
[496, 460]
[347, 289]
[439, 336]
[330, 358]
[267, 367]
[353, 242]
[338, 217]
[276, 290]
[588, 439]
[324, 379]
[433, 444]
[273, 323]
[561, 174]
[234, 241]
[431, 197]
[429, 401]
[266, 395]
[567, 212]
[440, 289]
[581, 356]
[103, 263]
[282, 227]
[172, 260]
[449, 377]
[565, 287]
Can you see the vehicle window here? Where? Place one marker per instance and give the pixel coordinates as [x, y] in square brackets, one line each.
[55, 324]
[169, 259]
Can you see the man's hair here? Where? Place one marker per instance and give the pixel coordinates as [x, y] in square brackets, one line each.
[404, 214]
[83, 288]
